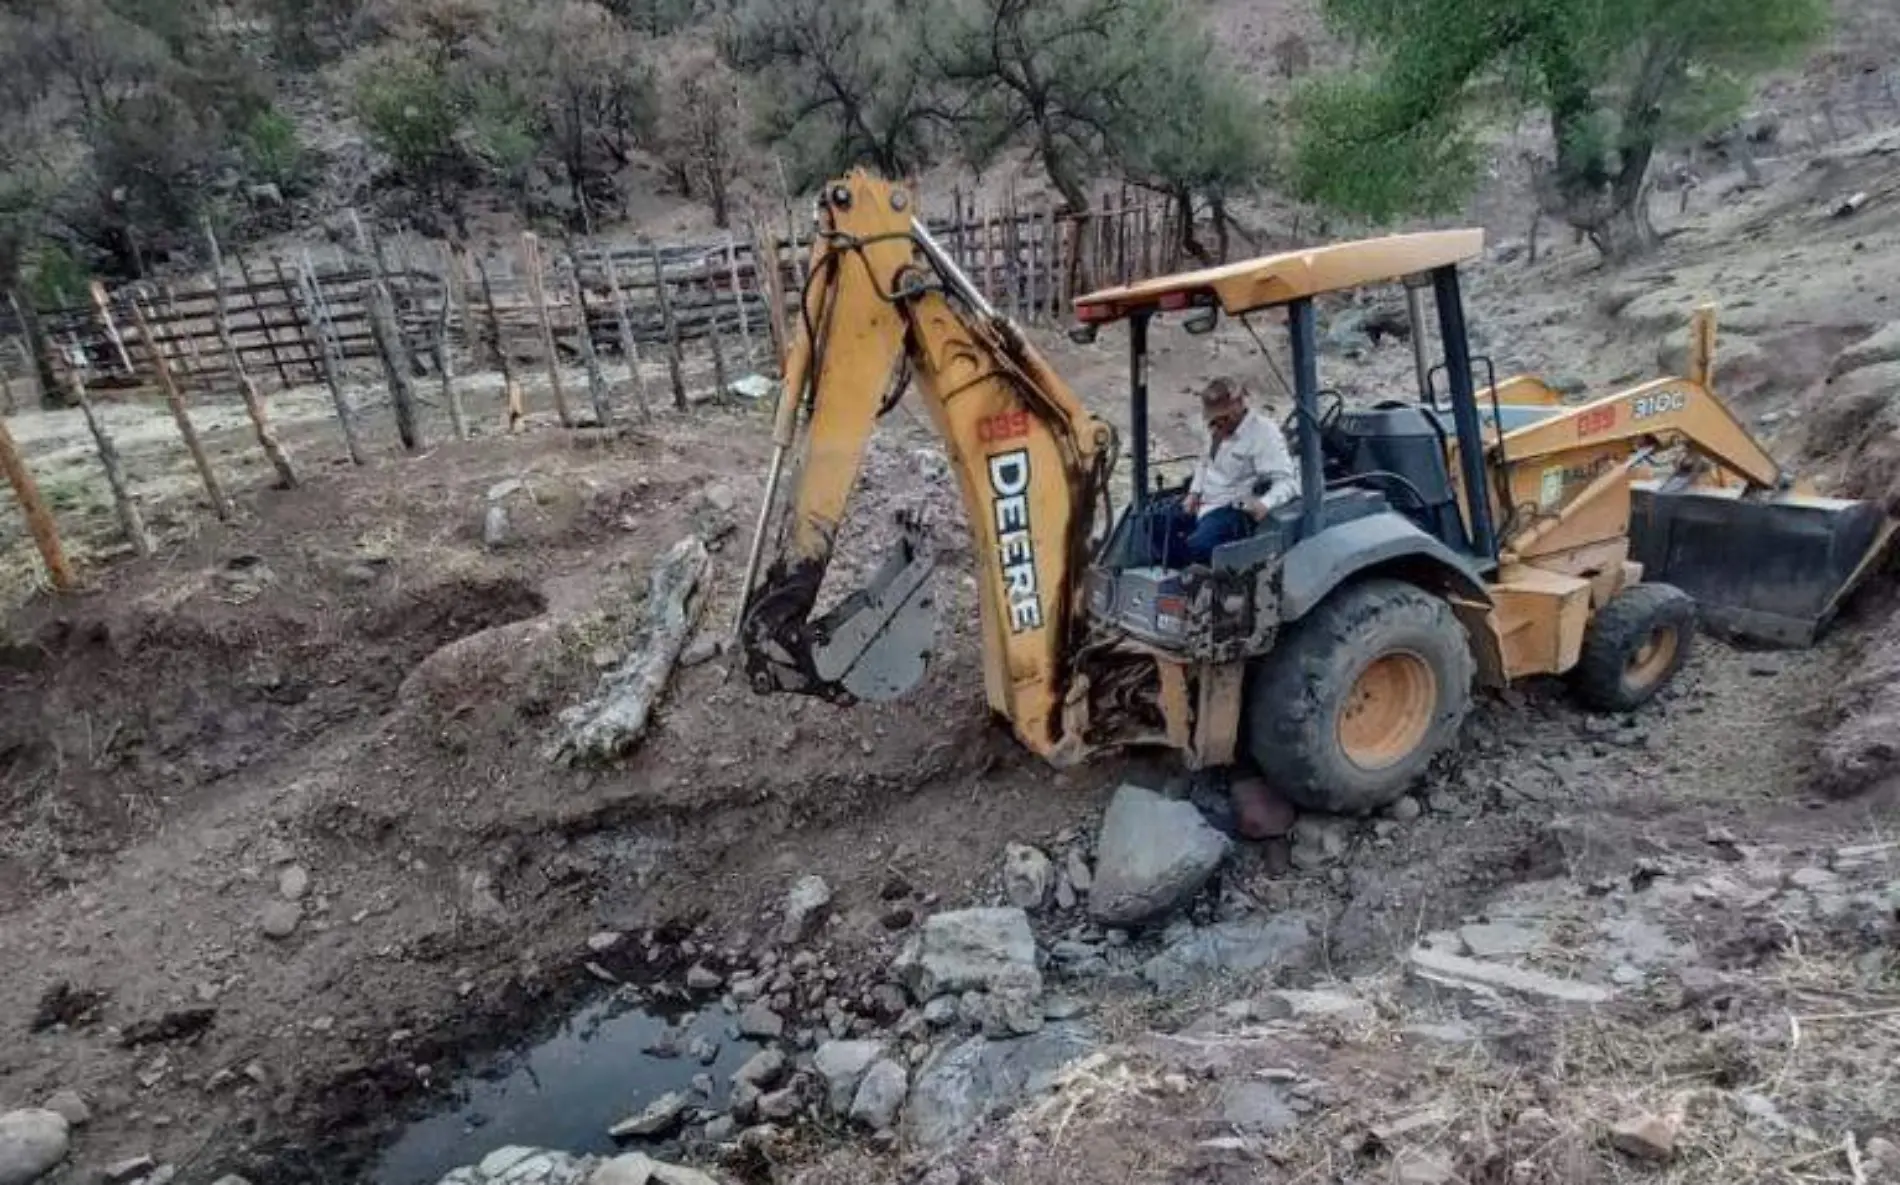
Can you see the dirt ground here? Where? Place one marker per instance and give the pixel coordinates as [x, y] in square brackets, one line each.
[348, 683]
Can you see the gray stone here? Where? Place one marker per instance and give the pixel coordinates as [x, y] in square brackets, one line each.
[806, 906]
[1498, 940]
[1063, 1008]
[759, 1021]
[603, 941]
[1454, 971]
[1257, 1108]
[702, 979]
[743, 1102]
[231, 1179]
[1882, 347]
[633, 1169]
[969, 949]
[762, 1069]
[1313, 1005]
[32, 1141]
[1423, 1166]
[1027, 876]
[502, 1159]
[703, 1049]
[675, 1174]
[879, 1095]
[1077, 868]
[1405, 809]
[1647, 1136]
[719, 1129]
[1153, 854]
[293, 882]
[781, 1104]
[661, 1115]
[279, 919]
[1246, 946]
[941, 1012]
[70, 1105]
[1065, 895]
[961, 1085]
[128, 1168]
[842, 1065]
[496, 532]
[703, 1084]
[719, 497]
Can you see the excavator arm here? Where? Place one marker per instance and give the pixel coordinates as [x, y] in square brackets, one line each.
[885, 304]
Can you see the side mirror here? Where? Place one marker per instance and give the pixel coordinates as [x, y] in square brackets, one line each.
[1202, 321]
[1083, 334]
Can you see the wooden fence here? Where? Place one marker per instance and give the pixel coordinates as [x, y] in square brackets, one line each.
[287, 316]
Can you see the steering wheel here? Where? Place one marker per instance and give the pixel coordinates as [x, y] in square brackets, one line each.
[1328, 416]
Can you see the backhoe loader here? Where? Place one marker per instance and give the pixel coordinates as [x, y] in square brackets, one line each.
[1466, 533]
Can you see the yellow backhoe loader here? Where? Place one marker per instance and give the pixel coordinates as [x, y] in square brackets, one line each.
[1469, 532]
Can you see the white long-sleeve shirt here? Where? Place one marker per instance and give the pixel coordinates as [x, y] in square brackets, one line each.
[1228, 471]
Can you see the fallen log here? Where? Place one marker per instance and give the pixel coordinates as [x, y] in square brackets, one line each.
[612, 723]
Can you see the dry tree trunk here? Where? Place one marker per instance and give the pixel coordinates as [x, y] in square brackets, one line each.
[175, 400]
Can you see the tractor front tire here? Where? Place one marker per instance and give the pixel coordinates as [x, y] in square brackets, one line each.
[1356, 699]
[1634, 646]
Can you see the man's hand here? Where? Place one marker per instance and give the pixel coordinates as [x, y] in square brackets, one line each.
[1192, 504]
[1257, 509]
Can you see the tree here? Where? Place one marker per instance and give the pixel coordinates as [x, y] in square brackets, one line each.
[1617, 79]
[840, 84]
[406, 100]
[1057, 75]
[699, 127]
[1190, 128]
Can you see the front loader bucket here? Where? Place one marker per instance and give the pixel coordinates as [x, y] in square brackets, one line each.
[1772, 570]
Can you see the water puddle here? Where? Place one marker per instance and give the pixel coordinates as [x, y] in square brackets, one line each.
[566, 1091]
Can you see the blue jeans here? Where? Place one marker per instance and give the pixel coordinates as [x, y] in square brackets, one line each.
[1185, 540]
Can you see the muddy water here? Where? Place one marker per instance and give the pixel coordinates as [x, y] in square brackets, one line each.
[565, 1091]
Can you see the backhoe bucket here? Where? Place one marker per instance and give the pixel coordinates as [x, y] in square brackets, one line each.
[1772, 570]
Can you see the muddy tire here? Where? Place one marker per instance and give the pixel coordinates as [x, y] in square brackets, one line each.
[1634, 646]
[1357, 698]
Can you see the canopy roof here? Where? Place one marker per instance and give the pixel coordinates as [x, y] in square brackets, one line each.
[1272, 280]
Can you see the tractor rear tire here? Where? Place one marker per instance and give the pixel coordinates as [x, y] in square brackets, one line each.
[1634, 646]
[1351, 706]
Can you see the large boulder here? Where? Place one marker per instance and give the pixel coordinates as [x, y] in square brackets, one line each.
[32, 1142]
[971, 950]
[963, 1084]
[842, 1065]
[1154, 853]
[880, 1095]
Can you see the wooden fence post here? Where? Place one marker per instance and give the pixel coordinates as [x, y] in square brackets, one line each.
[629, 348]
[510, 389]
[263, 321]
[253, 403]
[444, 351]
[537, 292]
[712, 330]
[738, 297]
[329, 353]
[39, 520]
[674, 362]
[175, 400]
[596, 382]
[765, 271]
[104, 308]
[381, 308]
[130, 521]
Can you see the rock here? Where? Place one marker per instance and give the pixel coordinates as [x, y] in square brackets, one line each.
[879, 1095]
[762, 1069]
[231, 1179]
[1884, 1153]
[634, 1169]
[842, 1065]
[293, 882]
[702, 979]
[69, 1105]
[1498, 940]
[1011, 1009]
[969, 949]
[719, 1129]
[1423, 1166]
[279, 919]
[1153, 854]
[32, 1141]
[1257, 1108]
[781, 1104]
[1647, 1137]
[719, 497]
[603, 941]
[1405, 809]
[960, 1086]
[1459, 973]
[1259, 812]
[1882, 347]
[1063, 1008]
[674, 1174]
[743, 1102]
[703, 1049]
[127, 1169]
[660, 1116]
[495, 528]
[1245, 946]
[759, 1021]
[1065, 893]
[805, 908]
[1076, 866]
[1313, 1005]
[1027, 876]
[941, 1012]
